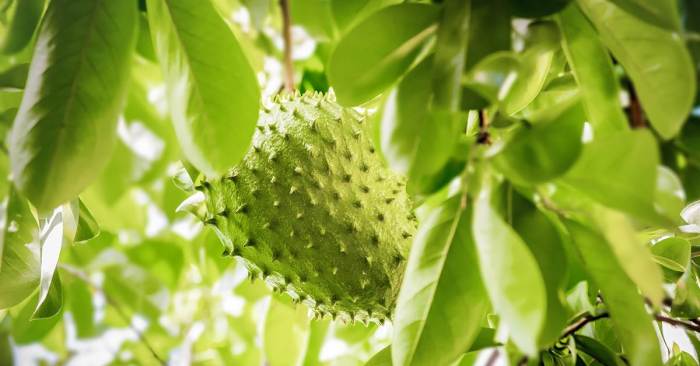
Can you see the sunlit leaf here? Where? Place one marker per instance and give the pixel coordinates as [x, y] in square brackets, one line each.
[522, 87]
[50, 290]
[543, 151]
[389, 41]
[591, 65]
[656, 60]
[25, 328]
[346, 13]
[19, 254]
[79, 301]
[65, 128]
[626, 307]
[286, 332]
[442, 302]
[662, 13]
[619, 171]
[212, 90]
[510, 272]
[672, 253]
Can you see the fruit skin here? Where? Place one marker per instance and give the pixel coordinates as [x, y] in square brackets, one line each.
[314, 210]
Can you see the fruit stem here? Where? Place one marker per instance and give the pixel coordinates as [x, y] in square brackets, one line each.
[287, 36]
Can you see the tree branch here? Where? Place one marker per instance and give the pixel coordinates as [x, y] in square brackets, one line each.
[78, 274]
[582, 322]
[483, 137]
[679, 323]
[287, 36]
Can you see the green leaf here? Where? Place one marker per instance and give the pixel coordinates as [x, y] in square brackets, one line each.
[65, 128]
[23, 23]
[6, 353]
[378, 50]
[347, 13]
[381, 358]
[510, 272]
[25, 328]
[543, 151]
[657, 62]
[286, 332]
[414, 140]
[632, 323]
[681, 359]
[87, 225]
[686, 302]
[317, 335]
[537, 9]
[213, 92]
[50, 290]
[52, 303]
[14, 77]
[449, 58]
[487, 77]
[619, 171]
[672, 253]
[597, 351]
[80, 304]
[545, 242]
[591, 65]
[661, 13]
[669, 198]
[19, 252]
[489, 30]
[634, 256]
[442, 302]
[164, 259]
[315, 16]
[522, 87]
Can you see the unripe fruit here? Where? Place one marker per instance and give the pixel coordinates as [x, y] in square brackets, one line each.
[314, 210]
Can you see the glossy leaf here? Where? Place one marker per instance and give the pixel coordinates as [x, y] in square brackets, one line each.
[414, 140]
[27, 329]
[510, 272]
[591, 65]
[634, 256]
[672, 253]
[315, 16]
[543, 151]
[19, 258]
[489, 30]
[65, 128]
[522, 87]
[441, 303]
[21, 29]
[669, 198]
[87, 225]
[657, 62]
[286, 333]
[631, 322]
[346, 13]
[545, 242]
[50, 298]
[389, 41]
[662, 13]
[686, 302]
[597, 351]
[625, 166]
[213, 92]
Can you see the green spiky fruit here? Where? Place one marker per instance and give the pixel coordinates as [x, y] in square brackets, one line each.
[314, 210]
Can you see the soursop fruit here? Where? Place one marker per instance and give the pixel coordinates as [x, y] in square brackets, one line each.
[314, 210]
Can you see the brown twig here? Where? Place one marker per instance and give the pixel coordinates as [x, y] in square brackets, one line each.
[483, 137]
[678, 323]
[76, 273]
[582, 322]
[493, 357]
[636, 113]
[287, 36]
